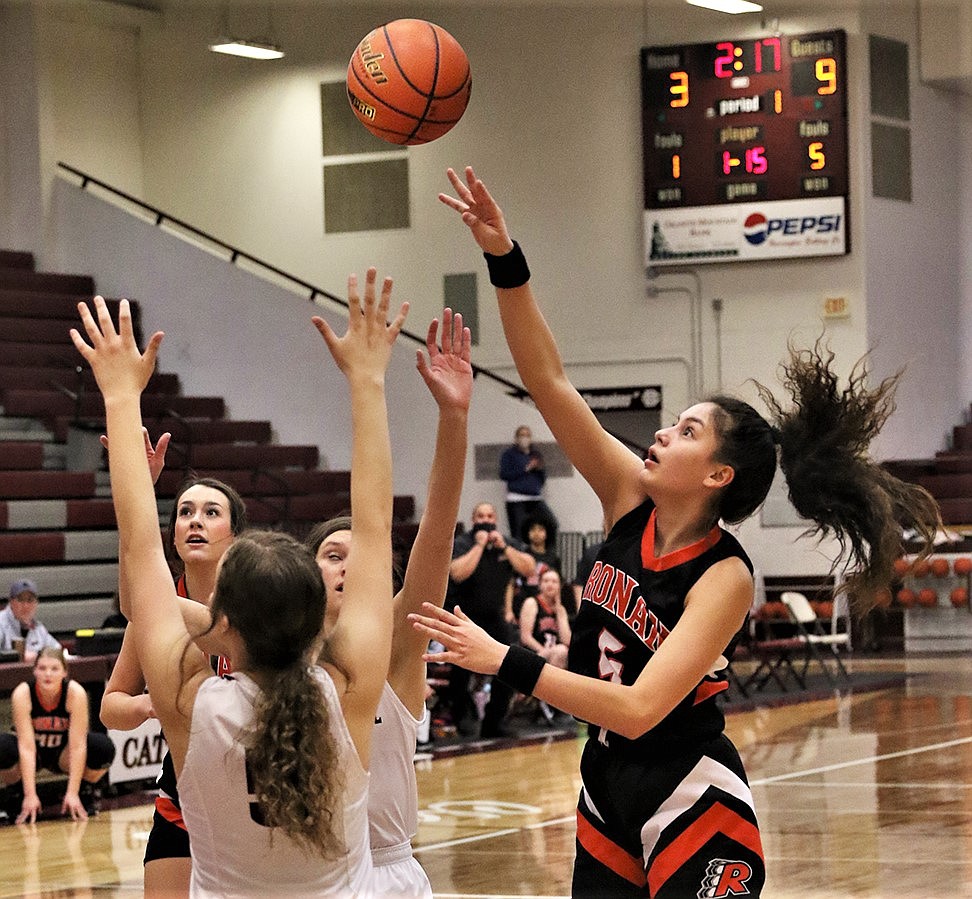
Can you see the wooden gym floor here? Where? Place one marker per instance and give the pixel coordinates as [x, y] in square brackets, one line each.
[863, 795]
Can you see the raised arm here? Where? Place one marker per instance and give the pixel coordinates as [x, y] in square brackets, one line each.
[605, 463]
[360, 645]
[448, 374]
[122, 372]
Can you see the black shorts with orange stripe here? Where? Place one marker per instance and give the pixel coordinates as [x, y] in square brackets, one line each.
[168, 837]
[681, 824]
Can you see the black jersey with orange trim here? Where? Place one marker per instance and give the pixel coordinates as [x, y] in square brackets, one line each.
[631, 602]
[51, 722]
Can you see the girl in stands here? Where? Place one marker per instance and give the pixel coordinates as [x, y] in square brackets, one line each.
[206, 516]
[50, 718]
[393, 795]
[265, 813]
[665, 809]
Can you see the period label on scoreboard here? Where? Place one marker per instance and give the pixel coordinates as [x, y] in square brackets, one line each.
[745, 149]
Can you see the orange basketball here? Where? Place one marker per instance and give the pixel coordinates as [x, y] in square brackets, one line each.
[959, 597]
[921, 568]
[906, 597]
[940, 567]
[409, 81]
[883, 598]
[927, 597]
[901, 566]
[963, 565]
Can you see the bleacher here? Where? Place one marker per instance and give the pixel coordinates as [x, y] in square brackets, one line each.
[57, 524]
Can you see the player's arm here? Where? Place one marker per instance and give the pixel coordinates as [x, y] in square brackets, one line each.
[125, 704]
[360, 644]
[121, 371]
[715, 609]
[604, 462]
[77, 706]
[563, 625]
[448, 375]
[27, 750]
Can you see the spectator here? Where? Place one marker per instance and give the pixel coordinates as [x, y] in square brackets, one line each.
[50, 717]
[19, 622]
[544, 626]
[483, 564]
[521, 466]
[546, 558]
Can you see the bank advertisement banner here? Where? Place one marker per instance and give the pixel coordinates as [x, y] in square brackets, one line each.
[746, 232]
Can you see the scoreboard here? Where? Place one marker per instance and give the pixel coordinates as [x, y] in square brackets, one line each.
[745, 149]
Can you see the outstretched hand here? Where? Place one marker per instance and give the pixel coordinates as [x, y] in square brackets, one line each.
[118, 366]
[154, 454]
[480, 212]
[365, 349]
[467, 644]
[448, 370]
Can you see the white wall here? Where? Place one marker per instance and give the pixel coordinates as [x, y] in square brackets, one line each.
[554, 126]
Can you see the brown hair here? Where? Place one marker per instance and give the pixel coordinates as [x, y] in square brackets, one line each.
[822, 439]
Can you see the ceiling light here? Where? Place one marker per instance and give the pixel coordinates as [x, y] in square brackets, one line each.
[730, 6]
[249, 49]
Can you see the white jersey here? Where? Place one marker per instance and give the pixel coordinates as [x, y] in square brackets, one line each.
[393, 800]
[233, 855]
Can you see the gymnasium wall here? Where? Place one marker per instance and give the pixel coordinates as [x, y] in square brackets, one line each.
[554, 126]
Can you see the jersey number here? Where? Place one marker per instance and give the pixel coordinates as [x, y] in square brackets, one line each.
[609, 668]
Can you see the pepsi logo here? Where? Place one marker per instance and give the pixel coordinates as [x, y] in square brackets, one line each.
[754, 228]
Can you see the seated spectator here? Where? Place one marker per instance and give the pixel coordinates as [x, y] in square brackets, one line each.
[19, 622]
[544, 626]
[50, 717]
[546, 557]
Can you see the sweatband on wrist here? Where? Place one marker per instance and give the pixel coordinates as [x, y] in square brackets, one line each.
[521, 669]
[509, 270]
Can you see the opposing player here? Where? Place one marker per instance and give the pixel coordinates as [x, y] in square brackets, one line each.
[393, 796]
[50, 718]
[266, 813]
[206, 516]
[665, 809]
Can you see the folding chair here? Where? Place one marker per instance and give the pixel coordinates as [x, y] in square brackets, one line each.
[774, 662]
[813, 634]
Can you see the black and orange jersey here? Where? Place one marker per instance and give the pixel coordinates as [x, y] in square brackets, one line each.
[631, 602]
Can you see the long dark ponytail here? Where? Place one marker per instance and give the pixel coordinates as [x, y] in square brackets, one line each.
[823, 439]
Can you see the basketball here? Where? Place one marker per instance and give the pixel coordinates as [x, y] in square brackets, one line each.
[409, 81]
[927, 597]
[963, 565]
[906, 597]
[940, 567]
[959, 597]
[921, 568]
[901, 566]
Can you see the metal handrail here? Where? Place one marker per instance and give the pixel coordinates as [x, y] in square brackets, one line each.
[235, 254]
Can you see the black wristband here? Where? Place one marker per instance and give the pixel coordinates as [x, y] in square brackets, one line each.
[521, 669]
[509, 270]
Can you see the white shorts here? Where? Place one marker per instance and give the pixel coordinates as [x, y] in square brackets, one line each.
[397, 873]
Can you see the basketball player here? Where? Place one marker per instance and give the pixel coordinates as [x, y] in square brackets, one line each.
[266, 814]
[206, 517]
[665, 809]
[393, 795]
[50, 718]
